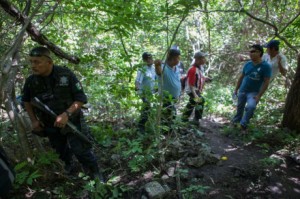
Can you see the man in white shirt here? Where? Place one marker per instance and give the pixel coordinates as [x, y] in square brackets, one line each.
[276, 59]
[144, 84]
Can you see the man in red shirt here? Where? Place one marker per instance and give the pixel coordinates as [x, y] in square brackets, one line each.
[194, 86]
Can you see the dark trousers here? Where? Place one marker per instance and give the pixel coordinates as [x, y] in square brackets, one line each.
[144, 113]
[68, 144]
[168, 113]
[191, 105]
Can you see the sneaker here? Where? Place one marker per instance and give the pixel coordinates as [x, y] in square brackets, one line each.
[244, 129]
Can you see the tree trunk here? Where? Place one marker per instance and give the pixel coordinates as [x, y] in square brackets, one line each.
[20, 122]
[12, 110]
[291, 117]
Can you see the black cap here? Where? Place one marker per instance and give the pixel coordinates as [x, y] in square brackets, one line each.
[146, 56]
[39, 52]
[174, 52]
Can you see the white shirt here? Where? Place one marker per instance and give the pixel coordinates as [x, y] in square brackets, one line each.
[274, 63]
[145, 78]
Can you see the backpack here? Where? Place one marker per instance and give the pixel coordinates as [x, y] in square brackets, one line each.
[7, 174]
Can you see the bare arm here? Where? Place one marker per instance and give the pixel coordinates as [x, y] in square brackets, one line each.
[282, 70]
[36, 125]
[238, 84]
[193, 89]
[263, 89]
[158, 68]
[62, 119]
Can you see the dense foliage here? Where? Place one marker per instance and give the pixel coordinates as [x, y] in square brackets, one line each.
[109, 37]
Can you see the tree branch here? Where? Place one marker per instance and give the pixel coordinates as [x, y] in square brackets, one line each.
[210, 11]
[6, 62]
[277, 32]
[126, 52]
[49, 12]
[35, 34]
[289, 23]
[175, 33]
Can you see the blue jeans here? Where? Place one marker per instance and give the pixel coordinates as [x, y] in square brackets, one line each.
[247, 104]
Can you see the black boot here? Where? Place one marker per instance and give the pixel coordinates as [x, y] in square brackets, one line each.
[95, 174]
[69, 168]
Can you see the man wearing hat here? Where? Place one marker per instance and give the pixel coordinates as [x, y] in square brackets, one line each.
[195, 82]
[169, 84]
[144, 84]
[59, 89]
[276, 59]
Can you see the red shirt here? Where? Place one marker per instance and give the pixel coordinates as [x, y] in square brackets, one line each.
[195, 78]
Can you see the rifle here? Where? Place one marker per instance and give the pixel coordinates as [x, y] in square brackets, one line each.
[43, 107]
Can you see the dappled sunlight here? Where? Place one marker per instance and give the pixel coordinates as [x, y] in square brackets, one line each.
[202, 157]
[230, 148]
[11, 115]
[295, 180]
[277, 189]
[296, 190]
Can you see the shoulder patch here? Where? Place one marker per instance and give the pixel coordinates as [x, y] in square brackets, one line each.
[63, 81]
[78, 86]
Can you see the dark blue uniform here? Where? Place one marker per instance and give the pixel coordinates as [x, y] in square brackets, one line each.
[58, 91]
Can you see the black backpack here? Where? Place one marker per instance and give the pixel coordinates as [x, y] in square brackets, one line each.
[7, 174]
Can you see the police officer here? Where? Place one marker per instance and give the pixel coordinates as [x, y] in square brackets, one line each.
[61, 91]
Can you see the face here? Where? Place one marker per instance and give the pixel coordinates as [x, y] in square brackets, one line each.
[254, 54]
[200, 61]
[41, 65]
[149, 61]
[174, 61]
[271, 51]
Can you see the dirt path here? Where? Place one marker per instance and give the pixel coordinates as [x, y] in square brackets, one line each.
[246, 173]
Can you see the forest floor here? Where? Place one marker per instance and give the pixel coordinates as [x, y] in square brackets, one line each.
[233, 166]
[248, 171]
[211, 160]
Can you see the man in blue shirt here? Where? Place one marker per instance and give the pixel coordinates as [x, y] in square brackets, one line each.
[251, 85]
[169, 83]
[144, 83]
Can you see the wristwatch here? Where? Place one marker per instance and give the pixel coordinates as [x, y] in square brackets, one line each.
[69, 114]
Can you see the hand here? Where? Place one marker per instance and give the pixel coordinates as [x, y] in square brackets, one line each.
[36, 126]
[197, 99]
[61, 120]
[257, 98]
[207, 79]
[157, 62]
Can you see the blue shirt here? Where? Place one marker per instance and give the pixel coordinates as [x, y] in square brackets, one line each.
[146, 79]
[254, 76]
[169, 81]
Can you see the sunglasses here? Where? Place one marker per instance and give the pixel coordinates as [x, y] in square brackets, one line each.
[38, 54]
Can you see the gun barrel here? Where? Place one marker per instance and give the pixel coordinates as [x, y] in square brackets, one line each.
[43, 107]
